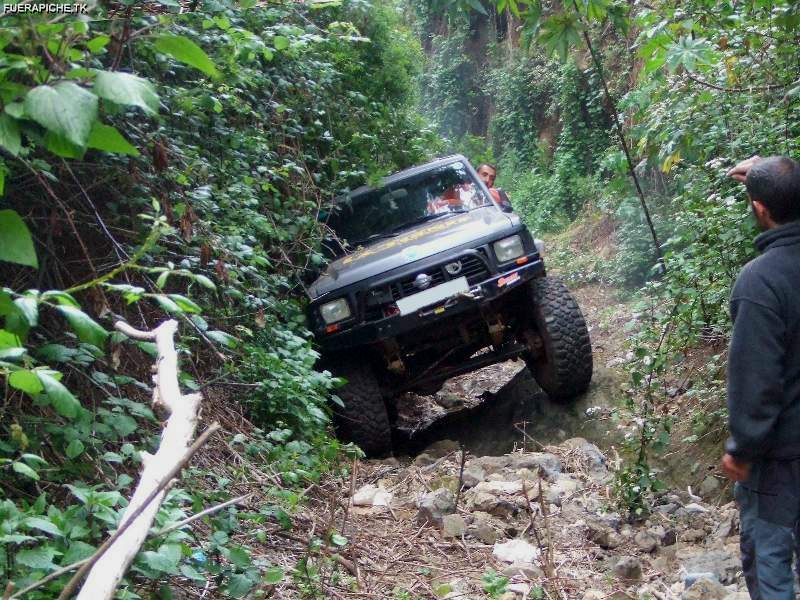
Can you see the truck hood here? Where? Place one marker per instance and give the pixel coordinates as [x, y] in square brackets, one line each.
[411, 245]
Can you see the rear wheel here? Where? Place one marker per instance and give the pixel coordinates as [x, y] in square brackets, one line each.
[562, 364]
[364, 419]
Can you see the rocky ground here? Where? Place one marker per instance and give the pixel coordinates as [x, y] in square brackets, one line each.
[530, 524]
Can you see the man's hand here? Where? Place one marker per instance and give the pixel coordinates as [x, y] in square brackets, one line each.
[739, 172]
[734, 469]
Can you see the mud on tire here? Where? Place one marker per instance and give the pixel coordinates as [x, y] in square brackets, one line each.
[364, 419]
[564, 366]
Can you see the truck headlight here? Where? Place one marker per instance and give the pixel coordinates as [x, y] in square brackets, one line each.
[333, 312]
[508, 248]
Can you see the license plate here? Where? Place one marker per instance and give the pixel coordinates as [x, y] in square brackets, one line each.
[412, 303]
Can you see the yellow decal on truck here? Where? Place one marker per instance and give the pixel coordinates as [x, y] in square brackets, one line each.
[403, 240]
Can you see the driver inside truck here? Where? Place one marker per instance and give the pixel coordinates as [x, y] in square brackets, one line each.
[449, 201]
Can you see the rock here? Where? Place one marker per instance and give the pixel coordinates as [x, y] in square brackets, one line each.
[594, 595]
[727, 528]
[371, 495]
[482, 530]
[669, 538]
[453, 526]
[547, 464]
[724, 565]
[423, 460]
[524, 569]
[491, 464]
[498, 488]
[738, 596]
[628, 568]
[693, 535]
[666, 509]
[705, 589]
[448, 399]
[473, 475]
[489, 503]
[603, 535]
[594, 460]
[522, 589]
[646, 541]
[694, 508]
[709, 486]
[434, 505]
[561, 489]
[691, 578]
[514, 551]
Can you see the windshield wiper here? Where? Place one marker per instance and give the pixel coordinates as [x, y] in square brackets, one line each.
[374, 237]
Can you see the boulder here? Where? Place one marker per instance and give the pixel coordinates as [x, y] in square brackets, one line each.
[523, 569]
[489, 503]
[435, 505]
[453, 526]
[481, 528]
[628, 568]
[646, 541]
[473, 475]
[514, 551]
[563, 488]
[723, 564]
[547, 464]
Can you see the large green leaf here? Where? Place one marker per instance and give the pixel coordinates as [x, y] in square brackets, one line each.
[16, 244]
[23, 469]
[9, 134]
[186, 51]
[60, 397]
[87, 329]
[105, 137]
[40, 557]
[65, 109]
[26, 381]
[559, 33]
[128, 89]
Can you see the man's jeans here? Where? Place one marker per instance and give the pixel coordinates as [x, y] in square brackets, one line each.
[769, 506]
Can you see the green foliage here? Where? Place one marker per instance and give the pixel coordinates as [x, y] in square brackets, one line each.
[208, 146]
[494, 584]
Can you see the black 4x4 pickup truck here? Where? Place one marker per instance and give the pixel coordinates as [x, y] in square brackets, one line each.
[432, 279]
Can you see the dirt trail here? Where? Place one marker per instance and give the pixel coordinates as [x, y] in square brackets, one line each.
[534, 481]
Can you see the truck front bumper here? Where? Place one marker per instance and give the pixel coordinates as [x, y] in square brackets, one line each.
[479, 295]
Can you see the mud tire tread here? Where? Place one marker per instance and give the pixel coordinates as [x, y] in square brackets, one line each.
[364, 419]
[567, 372]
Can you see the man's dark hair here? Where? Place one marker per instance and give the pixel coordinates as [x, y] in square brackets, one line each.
[492, 167]
[775, 181]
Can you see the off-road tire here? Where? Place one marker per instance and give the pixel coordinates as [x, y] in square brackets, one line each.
[563, 368]
[364, 419]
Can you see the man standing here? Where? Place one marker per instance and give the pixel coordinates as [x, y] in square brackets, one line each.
[488, 173]
[763, 452]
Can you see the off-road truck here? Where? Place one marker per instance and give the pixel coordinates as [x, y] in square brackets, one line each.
[431, 279]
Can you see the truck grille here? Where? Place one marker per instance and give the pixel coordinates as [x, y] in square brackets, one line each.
[473, 267]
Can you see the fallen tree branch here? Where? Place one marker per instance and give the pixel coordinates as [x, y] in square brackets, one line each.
[159, 491]
[108, 565]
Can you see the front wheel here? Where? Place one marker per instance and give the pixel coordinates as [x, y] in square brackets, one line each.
[364, 419]
[562, 364]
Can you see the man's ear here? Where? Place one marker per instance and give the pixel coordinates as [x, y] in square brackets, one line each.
[762, 214]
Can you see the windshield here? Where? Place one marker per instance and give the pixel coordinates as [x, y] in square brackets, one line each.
[390, 209]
